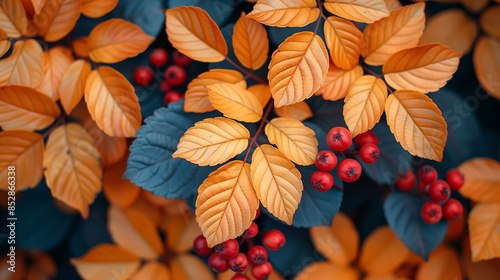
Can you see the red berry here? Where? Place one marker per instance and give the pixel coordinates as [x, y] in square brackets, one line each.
[227, 249]
[217, 263]
[201, 247]
[326, 160]
[159, 57]
[322, 181]
[452, 209]
[455, 179]
[251, 231]
[369, 153]
[258, 213]
[239, 263]
[257, 254]
[240, 277]
[339, 139]
[366, 138]
[261, 271]
[143, 76]
[423, 188]
[181, 59]
[439, 191]
[175, 75]
[171, 96]
[431, 212]
[349, 170]
[427, 174]
[165, 87]
[406, 181]
[274, 239]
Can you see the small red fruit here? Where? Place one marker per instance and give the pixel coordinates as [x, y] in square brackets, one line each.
[455, 179]
[175, 75]
[261, 271]
[201, 247]
[143, 76]
[366, 138]
[165, 87]
[369, 153]
[172, 96]
[439, 191]
[251, 231]
[274, 239]
[326, 160]
[257, 254]
[349, 170]
[239, 263]
[452, 209]
[227, 249]
[240, 277]
[431, 212]
[423, 188]
[159, 57]
[322, 181]
[406, 181]
[427, 174]
[339, 138]
[181, 59]
[217, 263]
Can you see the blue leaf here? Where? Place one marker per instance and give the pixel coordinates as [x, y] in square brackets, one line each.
[220, 11]
[402, 212]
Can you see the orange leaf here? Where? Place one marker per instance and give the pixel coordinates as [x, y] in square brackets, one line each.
[117, 190]
[401, 30]
[392, 4]
[180, 230]
[285, 13]
[115, 40]
[443, 263]
[189, 267]
[344, 40]
[325, 271]
[487, 64]
[228, 275]
[13, 18]
[475, 5]
[250, 42]
[24, 66]
[153, 270]
[193, 32]
[38, 5]
[481, 270]
[368, 11]
[57, 18]
[56, 63]
[73, 84]
[490, 20]
[262, 92]
[98, 8]
[81, 47]
[25, 108]
[482, 179]
[235, 102]
[298, 111]
[4, 43]
[338, 82]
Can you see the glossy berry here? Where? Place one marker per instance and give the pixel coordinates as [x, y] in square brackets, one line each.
[452, 210]
[261, 271]
[217, 263]
[227, 249]
[257, 254]
[159, 57]
[322, 181]
[251, 231]
[431, 212]
[423, 188]
[365, 138]
[339, 138]
[274, 239]
[439, 191]
[427, 174]
[165, 87]
[239, 263]
[201, 247]
[258, 213]
[455, 179]
[369, 153]
[406, 181]
[326, 160]
[171, 96]
[175, 75]
[240, 277]
[143, 76]
[181, 59]
[349, 170]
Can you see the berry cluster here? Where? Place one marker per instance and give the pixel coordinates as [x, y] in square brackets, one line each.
[438, 191]
[339, 139]
[174, 75]
[227, 255]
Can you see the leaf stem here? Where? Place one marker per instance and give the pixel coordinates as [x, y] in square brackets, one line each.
[54, 125]
[318, 21]
[370, 71]
[262, 122]
[245, 71]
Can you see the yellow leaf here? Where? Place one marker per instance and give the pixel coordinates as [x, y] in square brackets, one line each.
[57, 18]
[298, 68]
[116, 189]
[344, 40]
[180, 230]
[487, 64]
[56, 63]
[417, 124]
[153, 270]
[262, 92]
[285, 13]
[98, 8]
[193, 32]
[277, 182]
[4, 42]
[338, 82]
[475, 5]
[298, 111]
[364, 105]
[23, 150]
[484, 229]
[25, 108]
[196, 99]
[250, 42]
[133, 230]
[482, 179]
[235, 102]
[189, 267]
[392, 4]
[481, 270]
[13, 18]
[227, 203]
[38, 5]
[115, 40]
[339, 243]
[295, 140]
[382, 251]
[212, 141]
[72, 86]
[490, 20]
[401, 30]
[325, 271]
[106, 262]
[72, 167]
[367, 11]
[443, 263]
[80, 47]
[384, 276]
[452, 28]
[112, 102]
[24, 66]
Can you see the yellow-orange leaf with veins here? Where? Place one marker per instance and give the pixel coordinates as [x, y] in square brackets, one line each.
[4, 42]
[484, 225]
[417, 124]
[490, 20]
[38, 5]
[392, 4]
[367, 11]
[285, 13]
[73, 84]
[250, 42]
[193, 32]
[25, 108]
[235, 102]
[56, 63]
[153, 270]
[262, 92]
[364, 105]
[24, 66]
[112, 102]
[277, 182]
[298, 68]
[425, 69]
[482, 179]
[98, 8]
[23, 150]
[72, 167]
[487, 64]
[115, 40]
[57, 18]
[298, 111]
[212, 141]
[324, 270]
[401, 30]
[443, 263]
[13, 18]
[338, 81]
[344, 40]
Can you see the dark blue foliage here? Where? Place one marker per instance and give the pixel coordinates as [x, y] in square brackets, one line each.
[219, 10]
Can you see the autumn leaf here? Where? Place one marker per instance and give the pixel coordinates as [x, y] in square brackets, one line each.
[250, 42]
[119, 191]
[443, 263]
[24, 66]
[344, 40]
[180, 229]
[262, 92]
[285, 13]
[80, 47]
[4, 43]
[475, 5]
[484, 224]
[13, 18]
[324, 270]
[482, 270]
[298, 111]
[487, 64]
[482, 179]
[367, 11]
[298, 68]
[57, 18]
[153, 270]
[235, 102]
[72, 86]
[392, 4]
[212, 141]
[338, 82]
[97, 8]
[38, 5]
[56, 63]
[189, 267]
[490, 20]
